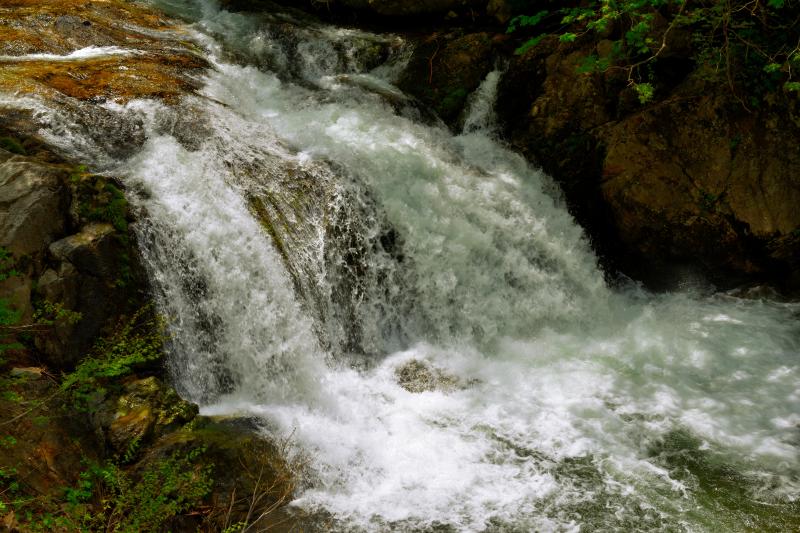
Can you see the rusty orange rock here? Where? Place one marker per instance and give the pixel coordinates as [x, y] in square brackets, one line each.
[159, 62]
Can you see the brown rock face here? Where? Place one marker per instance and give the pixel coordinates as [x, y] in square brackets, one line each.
[87, 278]
[696, 179]
[693, 180]
[446, 69]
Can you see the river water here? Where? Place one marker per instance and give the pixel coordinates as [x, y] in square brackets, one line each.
[313, 235]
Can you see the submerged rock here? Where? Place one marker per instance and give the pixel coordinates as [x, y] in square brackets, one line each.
[419, 376]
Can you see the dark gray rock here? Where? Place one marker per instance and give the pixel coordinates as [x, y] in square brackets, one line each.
[33, 205]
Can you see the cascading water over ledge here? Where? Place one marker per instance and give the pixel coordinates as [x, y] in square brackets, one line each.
[310, 238]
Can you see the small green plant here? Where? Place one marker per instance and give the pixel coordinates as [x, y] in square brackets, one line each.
[708, 201]
[12, 145]
[99, 200]
[131, 450]
[8, 265]
[644, 91]
[84, 489]
[136, 343]
[48, 313]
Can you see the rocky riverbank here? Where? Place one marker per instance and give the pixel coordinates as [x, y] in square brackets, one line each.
[92, 436]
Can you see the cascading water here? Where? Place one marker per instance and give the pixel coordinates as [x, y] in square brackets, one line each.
[311, 235]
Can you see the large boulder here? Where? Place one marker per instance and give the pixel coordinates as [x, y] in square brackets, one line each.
[33, 202]
[692, 182]
[90, 276]
[697, 180]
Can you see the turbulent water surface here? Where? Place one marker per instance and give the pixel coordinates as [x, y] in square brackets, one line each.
[314, 235]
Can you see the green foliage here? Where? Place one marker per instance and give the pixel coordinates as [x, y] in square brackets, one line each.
[107, 498]
[83, 490]
[8, 316]
[567, 37]
[452, 101]
[135, 344]
[131, 450]
[12, 145]
[165, 489]
[8, 265]
[752, 47]
[48, 313]
[99, 199]
[530, 43]
[144, 502]
[644, 91]
[525, 21]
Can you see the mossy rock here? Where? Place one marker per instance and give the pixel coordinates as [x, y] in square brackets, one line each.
[146, 409]
[253, 476]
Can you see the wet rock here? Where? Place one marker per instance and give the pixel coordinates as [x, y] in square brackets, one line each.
[90, 251]
[419, 376]
[446, 69]
[696, 179]
[92, 275]
[145, 410]
[156, 64]
[32, 202]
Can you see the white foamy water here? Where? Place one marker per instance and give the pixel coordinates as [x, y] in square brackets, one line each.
[380, 240]
[89, 52]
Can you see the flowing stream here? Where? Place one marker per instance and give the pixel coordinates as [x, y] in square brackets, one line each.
[317, 241]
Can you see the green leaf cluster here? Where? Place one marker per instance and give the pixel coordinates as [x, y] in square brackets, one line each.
[99, 200]
[12, 145]
[753, 46]
[135, 344]
[144, 502]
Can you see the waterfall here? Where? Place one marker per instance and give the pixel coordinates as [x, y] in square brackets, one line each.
[311, 234]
